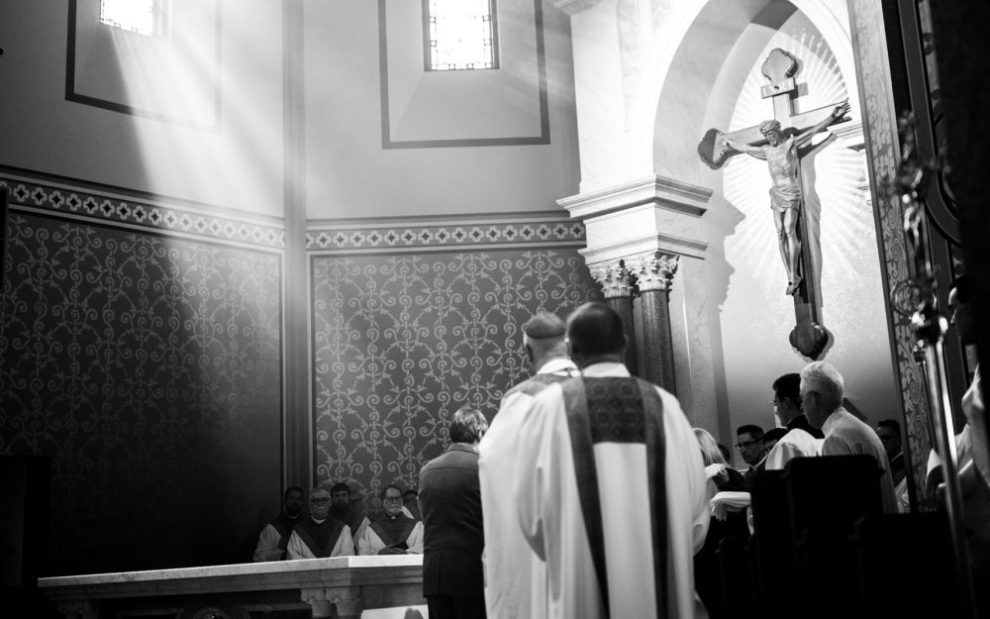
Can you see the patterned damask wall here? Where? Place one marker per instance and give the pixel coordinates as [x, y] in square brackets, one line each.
[147, 365]
[401, 341]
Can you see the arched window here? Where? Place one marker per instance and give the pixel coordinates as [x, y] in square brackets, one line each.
[460, 35]
[145, 17]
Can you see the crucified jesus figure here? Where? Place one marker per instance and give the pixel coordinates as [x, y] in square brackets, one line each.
[781, 155]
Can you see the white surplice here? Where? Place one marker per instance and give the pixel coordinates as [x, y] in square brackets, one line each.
[846, 435]
[552, 521]
[515, 577]
[297, 548]
[795, 444]
[369, 543]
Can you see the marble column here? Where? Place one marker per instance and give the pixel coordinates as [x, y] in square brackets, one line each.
[618, 284]
[654, 275]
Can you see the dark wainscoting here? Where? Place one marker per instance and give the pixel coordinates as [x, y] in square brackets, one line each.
[147, 365]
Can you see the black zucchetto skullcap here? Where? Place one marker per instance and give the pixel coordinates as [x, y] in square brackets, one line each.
[544, 325]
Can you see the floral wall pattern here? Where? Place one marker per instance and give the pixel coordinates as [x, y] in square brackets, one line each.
[401, 341]
[148, 368]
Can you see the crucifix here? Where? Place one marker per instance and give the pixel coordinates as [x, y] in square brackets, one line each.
[783, 142]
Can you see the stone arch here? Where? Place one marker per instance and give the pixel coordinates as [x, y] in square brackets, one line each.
[699, 53]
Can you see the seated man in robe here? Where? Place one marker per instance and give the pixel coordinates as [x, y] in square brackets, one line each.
[348, 509]
[410, 500]
[395, 532]
[319, 535]
[275, 536]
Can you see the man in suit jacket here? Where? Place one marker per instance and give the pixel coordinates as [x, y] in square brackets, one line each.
[450, 501]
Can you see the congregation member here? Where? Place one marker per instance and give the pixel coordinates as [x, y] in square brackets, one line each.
[450, 500]
[770, 438]
[749, 442]
[822, 389]
[615, 496]
[515, 575]
[889, 431]
[721, 478]
[410, 500]
[800, 438]
[787, 405]
[274, 538]
[394, 532]
[320, 535]
[347, 509]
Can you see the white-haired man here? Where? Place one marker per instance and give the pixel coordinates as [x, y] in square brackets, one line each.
[822, 389]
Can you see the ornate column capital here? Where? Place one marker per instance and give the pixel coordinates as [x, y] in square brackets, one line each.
[615, 279]
[655, 271]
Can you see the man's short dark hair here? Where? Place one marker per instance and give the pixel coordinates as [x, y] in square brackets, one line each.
[392, 486]
[774, 434]
[467, 425]
[595, 329]
[293, 489]
[340, 487]
[756, 431]
[788, 386]
[893, 424]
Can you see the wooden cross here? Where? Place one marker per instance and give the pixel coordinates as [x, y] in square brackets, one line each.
[809, 336]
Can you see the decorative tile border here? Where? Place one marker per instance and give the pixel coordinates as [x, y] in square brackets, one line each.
[387, 237]
[86, 203]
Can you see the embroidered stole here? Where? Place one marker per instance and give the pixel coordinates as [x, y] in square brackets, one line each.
[320, 538]
[618, 410]
[284, 525]
[536, 384]
[394, 532]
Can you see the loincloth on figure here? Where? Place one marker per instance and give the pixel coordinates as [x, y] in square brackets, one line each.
[783, 198]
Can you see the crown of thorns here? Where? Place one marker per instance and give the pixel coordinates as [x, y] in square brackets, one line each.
[769, 125]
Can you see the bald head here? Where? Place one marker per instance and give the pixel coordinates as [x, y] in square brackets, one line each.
[544, 339]
[595, 333]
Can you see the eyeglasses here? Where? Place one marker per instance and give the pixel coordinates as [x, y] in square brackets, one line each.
[745, 444]
[393, 499]
[319, 501]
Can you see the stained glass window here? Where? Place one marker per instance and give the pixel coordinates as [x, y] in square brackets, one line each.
[461, 35]
[140, 16]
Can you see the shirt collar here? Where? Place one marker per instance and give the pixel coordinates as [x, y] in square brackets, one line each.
[556, 365]
[605, 369]
[468, 447]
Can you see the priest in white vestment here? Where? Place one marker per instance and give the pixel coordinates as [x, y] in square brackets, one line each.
[795, 444]
[615, 497]
[515, 577]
